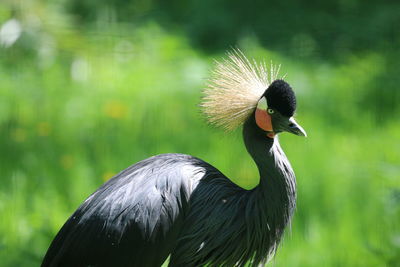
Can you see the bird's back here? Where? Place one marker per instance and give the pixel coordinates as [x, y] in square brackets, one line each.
[134, 219]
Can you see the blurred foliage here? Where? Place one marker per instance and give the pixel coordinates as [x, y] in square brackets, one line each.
[320, 27]
[88, 88]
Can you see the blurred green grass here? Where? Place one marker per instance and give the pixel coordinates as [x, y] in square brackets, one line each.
[69, 123]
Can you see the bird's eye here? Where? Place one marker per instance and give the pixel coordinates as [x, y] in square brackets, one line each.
[270, 111]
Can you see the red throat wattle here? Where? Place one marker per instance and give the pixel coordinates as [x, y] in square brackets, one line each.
[263, 120]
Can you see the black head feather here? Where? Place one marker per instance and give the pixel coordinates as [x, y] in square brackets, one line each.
[281, 97]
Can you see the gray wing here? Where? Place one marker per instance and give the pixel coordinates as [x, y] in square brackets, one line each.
[134, 219]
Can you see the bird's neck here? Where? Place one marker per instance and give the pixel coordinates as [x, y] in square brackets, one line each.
[277, 187]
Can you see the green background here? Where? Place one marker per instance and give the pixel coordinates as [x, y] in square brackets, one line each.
[88, 88]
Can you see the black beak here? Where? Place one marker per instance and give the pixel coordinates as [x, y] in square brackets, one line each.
[295, 128]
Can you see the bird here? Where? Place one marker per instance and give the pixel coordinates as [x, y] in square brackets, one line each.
[179, 207]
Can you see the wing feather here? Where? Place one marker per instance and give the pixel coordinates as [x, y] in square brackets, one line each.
[134, 219]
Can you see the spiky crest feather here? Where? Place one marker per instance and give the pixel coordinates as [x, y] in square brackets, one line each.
[235, 88]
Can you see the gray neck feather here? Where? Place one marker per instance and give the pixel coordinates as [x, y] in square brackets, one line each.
[273, 200]
[237, 227]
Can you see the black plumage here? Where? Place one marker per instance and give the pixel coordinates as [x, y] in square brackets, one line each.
[180, 206]
[281, 97]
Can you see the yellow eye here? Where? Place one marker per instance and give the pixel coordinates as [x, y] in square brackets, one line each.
[270, 111]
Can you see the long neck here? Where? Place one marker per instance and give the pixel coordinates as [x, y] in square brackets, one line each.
[276, 193]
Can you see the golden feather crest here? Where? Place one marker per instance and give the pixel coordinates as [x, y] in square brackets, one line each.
[235, 87]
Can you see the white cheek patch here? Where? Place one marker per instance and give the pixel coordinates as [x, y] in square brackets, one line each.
[262, 103]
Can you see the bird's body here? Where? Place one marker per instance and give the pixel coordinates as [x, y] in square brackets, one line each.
[179, 205]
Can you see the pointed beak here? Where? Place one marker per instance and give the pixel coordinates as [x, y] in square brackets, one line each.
[294, 128]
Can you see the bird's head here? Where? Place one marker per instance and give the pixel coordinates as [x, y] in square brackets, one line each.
[275, 110]
[241, 88]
